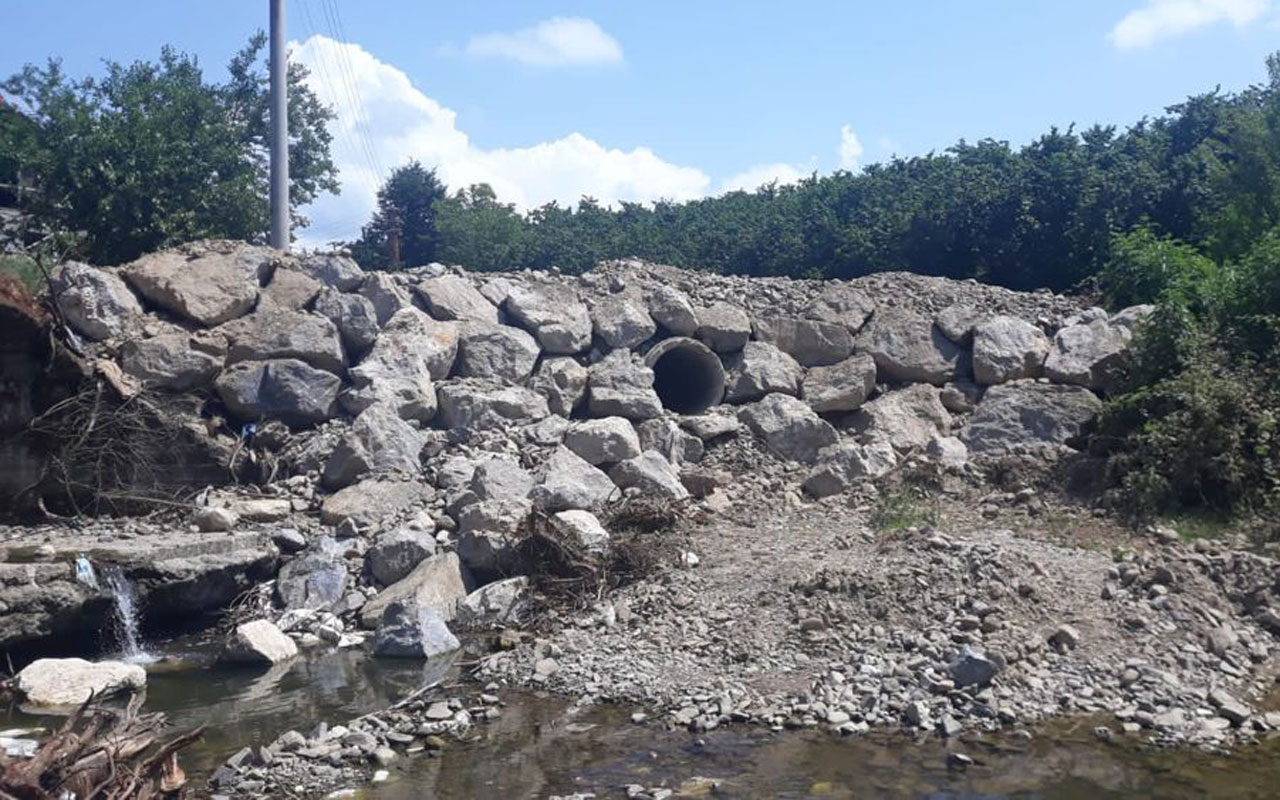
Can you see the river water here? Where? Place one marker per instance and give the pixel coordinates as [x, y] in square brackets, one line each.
[542, 746]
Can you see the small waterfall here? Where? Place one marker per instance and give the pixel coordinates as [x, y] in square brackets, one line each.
[126, 617]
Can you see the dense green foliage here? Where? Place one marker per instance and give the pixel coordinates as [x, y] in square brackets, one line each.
[152, 155]
[403, 231]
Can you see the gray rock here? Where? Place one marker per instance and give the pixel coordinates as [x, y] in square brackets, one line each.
[665, 436]
[907, 418]
[413, 630]
[331, 269]
[281, 333]
[908, 348]
[452, 297]
[812, 343]
[1030, 413]
[436, 582]
[603, 441]
[290, 289]
[210, 289]
[621, 322]
[289, 390]
[412, 351]
[723, 327]
[258, 642]
[289, 540]
[386, 295]
[352, 315]
[671, 309]
[96, 303]
[844, 305]
[1091, 355]
[395, 554]
[1007, 348]
[177, 360]
[570, 482]
[711, 425]
[844, 464]
[563, 382]
[958, 321]
[843, 386]
[622, 386]
[583, 528]
[496, 478]
[949, 451]
[379, 441]
[498, 603]
[489, 532]
[557, 318]
[788, 427]
[72, 681]
[479, 405]
[410, 332]
[972, 668]
[499, 352]
[316, 580]
[760, 369]
[215, 518]
[652, 474]
[374, 499]
[1132, 316]
[961, 396]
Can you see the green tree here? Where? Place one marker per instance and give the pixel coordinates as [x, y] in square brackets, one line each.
[478, 231]
[403, 230]
[151, 155]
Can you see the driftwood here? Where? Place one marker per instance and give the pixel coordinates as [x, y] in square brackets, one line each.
[101, 754]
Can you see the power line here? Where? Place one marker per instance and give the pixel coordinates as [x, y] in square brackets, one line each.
[347, 74]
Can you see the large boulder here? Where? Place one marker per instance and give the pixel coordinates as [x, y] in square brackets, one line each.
[1025, 413]
[315, 580]
[666, 436]
[394, 554]
[352, 315]
[582, 528]
[95, 303]
[285, 389]
[842, 304]
[258, 642]
[563, 382]
[209, 289]
[413, 630]
[175, 360]
[411, 333]
[652, 475]
[500, 352]
[436, 582]
[72, 681]
[477, 405]
[671, 309]
[1006, 349]
[958, 321]
[723, 327]
[812, 343]
[379, 441]
[410, 353]
[556, 317]
[497, 603]
[603, 441]
[760, 369]
[495, 478]
[622, 322]
[1090, 355]
[620, 385]
[843, 386]
[570, 482]
[908, 348]
[281, 333]
[788, 427]
[1132, 316]
[489, 532]
[290, 289]
[386, 295]
[452, 297]
[374, 499]
[906, 418]
[340, 272]
[844, 464]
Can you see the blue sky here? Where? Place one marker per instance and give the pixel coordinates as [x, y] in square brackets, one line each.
[549, 100]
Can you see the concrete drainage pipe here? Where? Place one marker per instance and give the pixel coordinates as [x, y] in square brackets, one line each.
[687, 375]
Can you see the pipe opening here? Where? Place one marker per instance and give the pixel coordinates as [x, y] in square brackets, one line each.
[687, 376]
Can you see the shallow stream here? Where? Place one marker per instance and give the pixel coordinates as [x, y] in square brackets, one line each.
[543, 746]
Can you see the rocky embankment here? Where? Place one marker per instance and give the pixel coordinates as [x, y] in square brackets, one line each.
[410, 432]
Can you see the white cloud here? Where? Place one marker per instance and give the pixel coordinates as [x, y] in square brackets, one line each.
[555, 42]
[398, 122]
[1163, 19]
[850, 149]
[753, 178]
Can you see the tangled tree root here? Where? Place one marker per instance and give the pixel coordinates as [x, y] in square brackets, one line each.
[101, 753]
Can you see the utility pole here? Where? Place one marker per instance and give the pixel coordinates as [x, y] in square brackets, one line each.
[279, 131]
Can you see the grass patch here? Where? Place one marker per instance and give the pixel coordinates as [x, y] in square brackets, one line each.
[25, 270]
[905, 507]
